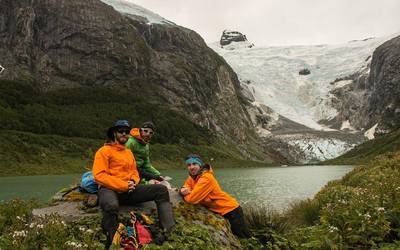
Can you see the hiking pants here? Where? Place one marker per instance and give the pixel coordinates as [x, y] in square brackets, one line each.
[238, 225]
[109, 203]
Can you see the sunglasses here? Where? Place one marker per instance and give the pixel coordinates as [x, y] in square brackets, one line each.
[123, 131]
[147, 131]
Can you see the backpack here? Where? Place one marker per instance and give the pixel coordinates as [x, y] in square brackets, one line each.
[132, 234]
[88, 184]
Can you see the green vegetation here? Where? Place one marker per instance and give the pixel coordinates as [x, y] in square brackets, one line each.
[368, 150]
[19, 229]
[361, 211]
[59, 131]
[88, 112]
[25, 153]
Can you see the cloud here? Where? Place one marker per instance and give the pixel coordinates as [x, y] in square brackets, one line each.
[283, 22]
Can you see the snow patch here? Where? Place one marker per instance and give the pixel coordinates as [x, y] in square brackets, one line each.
[342, 83]
[370, 132]
[347, 126]
[238, 45]
[127, 7]
[263, 132]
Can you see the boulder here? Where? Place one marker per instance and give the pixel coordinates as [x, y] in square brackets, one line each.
[304, 71]
[191, 220]
[229, 36]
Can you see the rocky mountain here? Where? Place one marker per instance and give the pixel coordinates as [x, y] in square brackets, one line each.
[324, 113]
[371, 99]
[232, 37]
[62, 44]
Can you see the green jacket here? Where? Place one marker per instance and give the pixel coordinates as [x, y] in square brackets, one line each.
[141, 152]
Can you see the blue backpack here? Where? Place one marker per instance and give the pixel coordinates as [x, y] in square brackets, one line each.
[88, 184]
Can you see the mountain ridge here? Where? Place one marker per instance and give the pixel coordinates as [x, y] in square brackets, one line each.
[60, 45]
[323, 99]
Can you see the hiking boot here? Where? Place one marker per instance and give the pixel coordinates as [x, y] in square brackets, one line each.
[92, 200]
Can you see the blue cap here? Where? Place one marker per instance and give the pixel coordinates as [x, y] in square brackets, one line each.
[119, 123]
[122, 123]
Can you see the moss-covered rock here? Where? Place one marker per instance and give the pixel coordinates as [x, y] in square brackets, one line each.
[196, 227]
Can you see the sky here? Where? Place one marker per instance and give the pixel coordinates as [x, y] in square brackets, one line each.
[283, 22]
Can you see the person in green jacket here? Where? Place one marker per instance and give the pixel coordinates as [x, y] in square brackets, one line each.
[138, 143]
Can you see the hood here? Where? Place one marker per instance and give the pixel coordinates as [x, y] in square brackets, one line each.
[205, 168]
[135, 132]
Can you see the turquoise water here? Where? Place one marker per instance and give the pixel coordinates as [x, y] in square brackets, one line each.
[275, 186]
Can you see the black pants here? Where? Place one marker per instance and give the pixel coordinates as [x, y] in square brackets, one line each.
[109, 202]
[238, 225]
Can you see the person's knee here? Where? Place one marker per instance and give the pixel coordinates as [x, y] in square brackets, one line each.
[110, 206]
[162, 193]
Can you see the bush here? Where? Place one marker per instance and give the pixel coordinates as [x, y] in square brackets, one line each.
[362, 211]
[24, 231]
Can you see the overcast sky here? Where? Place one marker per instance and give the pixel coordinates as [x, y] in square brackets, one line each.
[283, 22]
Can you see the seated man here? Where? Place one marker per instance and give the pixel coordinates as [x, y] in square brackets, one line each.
[114, 169]
[201, 187]
[138, 143]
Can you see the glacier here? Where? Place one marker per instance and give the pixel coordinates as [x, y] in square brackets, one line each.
[272, 76]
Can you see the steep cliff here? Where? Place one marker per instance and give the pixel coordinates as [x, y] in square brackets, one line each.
[60, 44]
[371, 97]
[384, 83]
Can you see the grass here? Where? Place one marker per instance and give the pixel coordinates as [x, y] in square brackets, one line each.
[26, 153]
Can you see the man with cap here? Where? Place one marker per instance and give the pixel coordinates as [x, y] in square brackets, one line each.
[201, 187]
[138, 143]
[114, 169]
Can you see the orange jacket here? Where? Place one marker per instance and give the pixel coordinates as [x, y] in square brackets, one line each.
[113, 166]
[206, 191]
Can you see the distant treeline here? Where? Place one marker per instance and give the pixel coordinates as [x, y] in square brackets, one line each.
[88, 111]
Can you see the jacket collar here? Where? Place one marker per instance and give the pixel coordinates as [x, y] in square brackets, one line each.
[202, 170]
[135, 132]
[116, 146]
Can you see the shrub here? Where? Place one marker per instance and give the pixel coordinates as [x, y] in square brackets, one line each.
[362, 211]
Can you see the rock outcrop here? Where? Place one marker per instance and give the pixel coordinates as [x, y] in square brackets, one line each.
[372, 96]
[304, 71]
[229, 37]
[194, 216]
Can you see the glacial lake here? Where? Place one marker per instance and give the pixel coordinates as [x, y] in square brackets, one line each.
[273, 186]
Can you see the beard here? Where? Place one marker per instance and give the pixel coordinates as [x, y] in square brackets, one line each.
[121, 139]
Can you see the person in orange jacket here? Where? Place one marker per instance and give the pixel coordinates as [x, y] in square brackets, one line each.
[114, 169]
[201, 187]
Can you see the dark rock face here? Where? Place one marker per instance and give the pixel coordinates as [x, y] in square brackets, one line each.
[72, 43]
[304, 72]
[375, 97]
[65, 44]
[384, 83]
[229, 36]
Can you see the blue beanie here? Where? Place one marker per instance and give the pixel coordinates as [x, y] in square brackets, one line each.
[193, 158]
